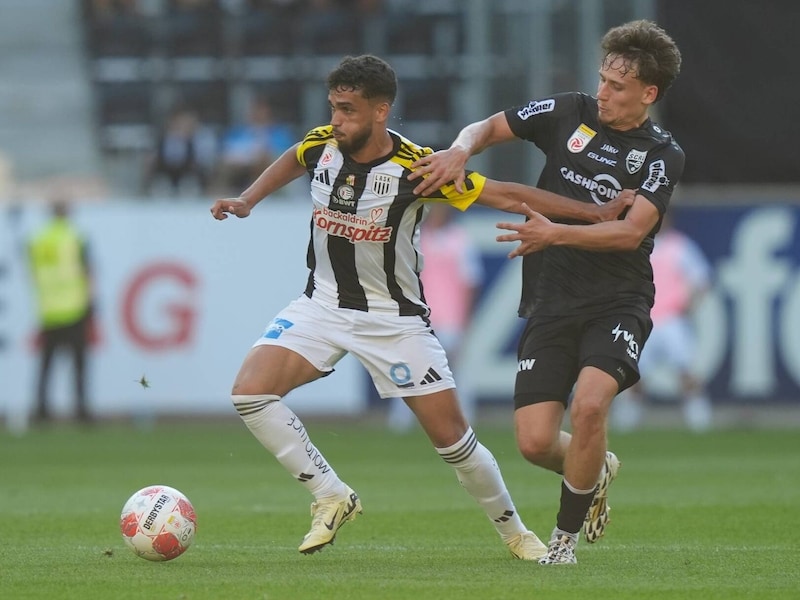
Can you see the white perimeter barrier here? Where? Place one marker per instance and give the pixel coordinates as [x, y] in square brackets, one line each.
[181, 297]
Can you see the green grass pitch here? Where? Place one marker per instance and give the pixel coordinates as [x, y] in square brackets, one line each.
[706, 517]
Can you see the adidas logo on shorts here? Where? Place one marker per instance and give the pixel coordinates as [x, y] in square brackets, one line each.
[430, 377]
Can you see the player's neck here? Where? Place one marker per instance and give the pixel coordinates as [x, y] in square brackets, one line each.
[629, 124]
[377, 147]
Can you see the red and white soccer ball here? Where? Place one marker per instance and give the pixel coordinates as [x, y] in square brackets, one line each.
[158, 523]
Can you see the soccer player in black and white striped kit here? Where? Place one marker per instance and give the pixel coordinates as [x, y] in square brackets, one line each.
[364, 297]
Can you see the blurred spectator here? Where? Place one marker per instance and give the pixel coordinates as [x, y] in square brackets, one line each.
[451, 279]
[59, 262]
[682, 275]
[250, 147]
[184, 156]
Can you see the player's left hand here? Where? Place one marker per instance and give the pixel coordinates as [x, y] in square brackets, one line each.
[534, 234]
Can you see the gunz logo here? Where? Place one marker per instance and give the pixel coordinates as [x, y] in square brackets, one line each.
[633, 345]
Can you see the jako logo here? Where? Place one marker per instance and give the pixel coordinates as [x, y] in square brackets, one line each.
[525, 364]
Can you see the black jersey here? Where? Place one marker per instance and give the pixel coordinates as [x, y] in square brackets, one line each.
[593, 163]
[364, 252]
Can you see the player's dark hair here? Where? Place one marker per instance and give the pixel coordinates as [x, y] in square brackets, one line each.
[647, 50]
[368, 74]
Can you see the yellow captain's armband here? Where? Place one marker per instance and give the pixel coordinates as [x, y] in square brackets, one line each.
[472, 186]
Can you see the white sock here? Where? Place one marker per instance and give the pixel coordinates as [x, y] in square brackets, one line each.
[480, 476]
[281, 432]
[580, 492]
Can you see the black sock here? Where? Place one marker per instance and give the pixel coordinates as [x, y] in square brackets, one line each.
[573, 509]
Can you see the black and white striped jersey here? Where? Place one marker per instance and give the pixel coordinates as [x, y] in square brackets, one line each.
[364, 252]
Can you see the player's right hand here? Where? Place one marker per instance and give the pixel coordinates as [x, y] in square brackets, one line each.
[439, 169]
[230, 206]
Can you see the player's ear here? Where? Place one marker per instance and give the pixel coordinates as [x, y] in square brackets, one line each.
[382, 110]
[649, 95]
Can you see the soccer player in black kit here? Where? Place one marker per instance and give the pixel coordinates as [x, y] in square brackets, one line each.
[587, 288]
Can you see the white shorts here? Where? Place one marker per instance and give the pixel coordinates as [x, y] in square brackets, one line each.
[401, 354]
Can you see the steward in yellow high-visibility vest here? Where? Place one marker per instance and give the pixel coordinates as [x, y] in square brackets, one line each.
[62, 283]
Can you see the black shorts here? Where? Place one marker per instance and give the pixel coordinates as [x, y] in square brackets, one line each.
[553, 350]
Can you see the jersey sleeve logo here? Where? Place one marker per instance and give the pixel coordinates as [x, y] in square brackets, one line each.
[327, 157]
[656, 177]
[581, 136]
[635, 160]
[536, 107]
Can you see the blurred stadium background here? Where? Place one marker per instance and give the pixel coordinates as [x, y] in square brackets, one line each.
[82, 99]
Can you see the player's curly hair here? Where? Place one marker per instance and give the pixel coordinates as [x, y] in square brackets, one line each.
[370, 75]
[647, 50]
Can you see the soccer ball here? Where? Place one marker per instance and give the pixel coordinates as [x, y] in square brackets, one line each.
[158, 523]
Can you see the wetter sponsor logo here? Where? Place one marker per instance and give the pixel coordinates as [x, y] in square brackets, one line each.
[352, 227]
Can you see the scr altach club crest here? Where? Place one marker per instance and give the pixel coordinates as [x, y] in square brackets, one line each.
[635, 160]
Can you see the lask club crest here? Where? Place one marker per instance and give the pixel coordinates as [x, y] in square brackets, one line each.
[635, 160]
[384, 185]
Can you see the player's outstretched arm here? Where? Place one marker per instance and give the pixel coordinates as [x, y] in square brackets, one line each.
[508, 197]
[446, 166]
[280, 173]
[538, 232]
